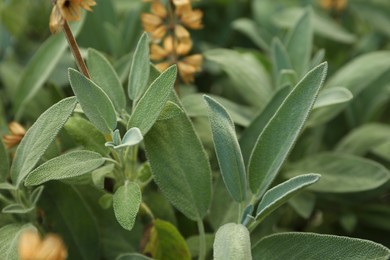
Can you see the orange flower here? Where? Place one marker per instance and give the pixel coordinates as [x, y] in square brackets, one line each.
[17, 133]
[337, 5]
[31, 247]
[69, 10]
[189, 66]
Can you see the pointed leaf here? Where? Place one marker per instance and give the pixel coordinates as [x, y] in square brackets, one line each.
[299, 43]
[166, 242]
[281, 193]
[9, 240]
[39, 137]
[152, 102]
[249, 137]
[342, 173]
[227, 149]
[140, 69]
[296, 245]
[40, 67]
[65, 166]
[126, 202]
[280, 59]
[94, 102]
[104, 75]
[232, 242]
[179, 163]
[280, 134]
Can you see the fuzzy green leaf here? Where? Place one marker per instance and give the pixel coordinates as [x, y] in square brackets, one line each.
[9, 240]
[297, 246]
[94, 102]
[281, 132]
[227, 149]
[166, 242]
[179, 163]
[39, 137]
[281, 193]
[342, 173]
[65, 166]
[232, 242]
[126, 202]
[280, 59]
[140, 69]
[299, 43]
[104, 75]
[152, 102]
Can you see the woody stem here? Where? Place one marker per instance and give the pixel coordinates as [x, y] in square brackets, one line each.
[174, 42]
[75, 50]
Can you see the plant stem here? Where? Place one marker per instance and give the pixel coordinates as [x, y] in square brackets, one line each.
[75, 50]
[174, 58]
[202, 241]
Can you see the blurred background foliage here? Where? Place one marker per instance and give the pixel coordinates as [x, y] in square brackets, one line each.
[243, 32]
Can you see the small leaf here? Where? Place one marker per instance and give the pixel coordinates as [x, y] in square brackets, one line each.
[227, 149]
[300, 42]
[39, 137]
[232, 242]
[281, 132]
[297, 246]
[251, 30]
[65, 166]
[16, 209]
[9, 240]
[36, 194]
[166, 242]
[94, 102]
[281, 193]
[179, 163]
[132, 137]
[280, 59]
[127, 200]
[342, 173]
[152, 102]
[104, 75]
[4, 165]
[140, 69]
[86, 134]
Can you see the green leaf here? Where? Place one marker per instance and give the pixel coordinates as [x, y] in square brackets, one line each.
[152, 102]
[249, 137]
[281, 193]
[65, 166]
[133, 256]
[39, 137]
[94, 102]
[4, 165]
[104, 75]
[16, 209]
[227, 149]
[300, 42]
[251, 30]
[179, 163]
[246, 72]
[9, 240]
[140, 69]
[40, 67]
[232, 242]
[193, 244]
[281, 132]
[86, 134]
[303, 204]
[342, 173]
[127, 200]
[166, 242]
[60, 203]
[363, 139]
[296, 245]
[280, 59]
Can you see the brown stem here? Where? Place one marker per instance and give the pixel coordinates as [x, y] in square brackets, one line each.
[174, 42]
[75, 50]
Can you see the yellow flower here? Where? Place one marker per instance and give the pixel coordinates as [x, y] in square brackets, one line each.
[188, 66]
[69, 10]
[17, 133]
[337, 5]
[31, 247]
